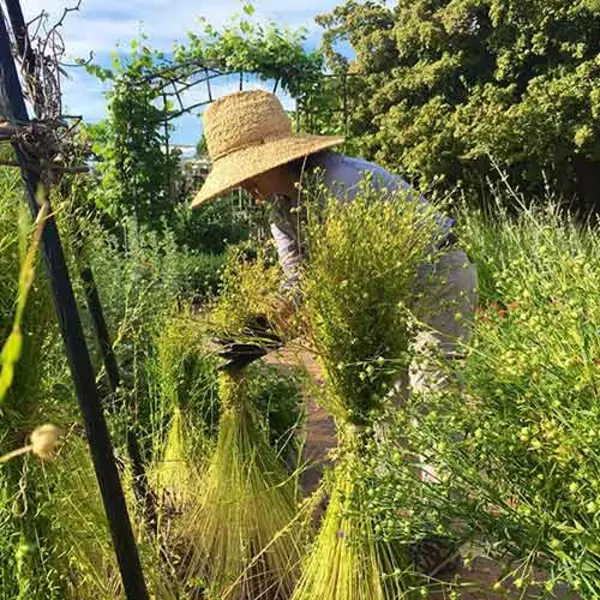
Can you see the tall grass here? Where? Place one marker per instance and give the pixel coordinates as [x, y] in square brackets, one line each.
[516, 443]
[27, 567]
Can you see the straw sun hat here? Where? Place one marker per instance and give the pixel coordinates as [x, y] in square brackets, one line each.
[247, 134]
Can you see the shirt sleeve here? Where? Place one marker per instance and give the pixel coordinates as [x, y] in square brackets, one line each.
[289, 258]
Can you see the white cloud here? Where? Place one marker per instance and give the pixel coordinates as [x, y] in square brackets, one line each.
[100, 24]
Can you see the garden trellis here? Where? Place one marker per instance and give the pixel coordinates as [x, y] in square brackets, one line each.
[42, 149]
[169, 82]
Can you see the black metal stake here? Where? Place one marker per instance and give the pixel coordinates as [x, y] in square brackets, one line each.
[140, 479]
[13, 107]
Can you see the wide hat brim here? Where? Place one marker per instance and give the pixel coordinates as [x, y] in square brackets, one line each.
[229, 171]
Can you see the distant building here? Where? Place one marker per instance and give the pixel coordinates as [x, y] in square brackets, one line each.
[186, 151]
[194, 170]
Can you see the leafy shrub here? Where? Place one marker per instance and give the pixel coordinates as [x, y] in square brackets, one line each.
[437, 87]
[204, 277]
[213, 227]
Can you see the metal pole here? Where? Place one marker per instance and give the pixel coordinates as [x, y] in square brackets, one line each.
[13, 107]
[140, 481]
[15, 14]
[167, 149]
[141, 486]
[345, 102]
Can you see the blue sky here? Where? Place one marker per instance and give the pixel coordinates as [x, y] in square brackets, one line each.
[102, 24]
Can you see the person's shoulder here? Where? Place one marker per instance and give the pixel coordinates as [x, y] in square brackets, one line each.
[349, 171]
[328, 160]
[363, 166]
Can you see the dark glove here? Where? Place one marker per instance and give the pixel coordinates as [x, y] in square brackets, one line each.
[239, 354]
[261, 329]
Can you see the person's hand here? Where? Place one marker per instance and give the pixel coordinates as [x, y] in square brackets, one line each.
[261, 330]
[238, 355]
[286, 318]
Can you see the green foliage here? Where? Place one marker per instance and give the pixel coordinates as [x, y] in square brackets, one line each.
[201, 148]
[27, 568]
[269, 51]
[139, 275]
[213, 227]
[54, 538]
[24, 303]
[136, 174]
[445, 84]
[12, 348]
[277, 398]
[514, 441]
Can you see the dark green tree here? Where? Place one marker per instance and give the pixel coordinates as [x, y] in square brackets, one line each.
[447, 88]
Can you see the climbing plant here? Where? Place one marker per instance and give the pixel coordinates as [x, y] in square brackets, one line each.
[136, 173]
[268, 51]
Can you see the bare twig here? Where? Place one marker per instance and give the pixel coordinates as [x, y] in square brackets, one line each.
[66, 11]
[83, 63]
[48, 142]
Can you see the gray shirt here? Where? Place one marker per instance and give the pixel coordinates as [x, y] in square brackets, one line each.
[342, 177]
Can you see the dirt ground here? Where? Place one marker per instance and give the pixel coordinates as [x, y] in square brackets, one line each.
[477, 580]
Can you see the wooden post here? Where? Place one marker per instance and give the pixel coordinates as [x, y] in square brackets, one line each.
[12, 107]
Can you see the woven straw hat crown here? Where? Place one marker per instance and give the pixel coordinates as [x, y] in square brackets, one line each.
[247, 134]
[242, 120]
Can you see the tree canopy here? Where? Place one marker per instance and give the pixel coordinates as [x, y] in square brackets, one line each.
[448, 87]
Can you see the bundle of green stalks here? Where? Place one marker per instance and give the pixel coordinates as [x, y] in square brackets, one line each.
[246, 541]
[183, 372]
[360, 281]
[245, 537]
[82, 543]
